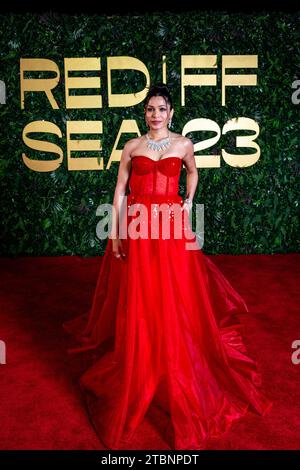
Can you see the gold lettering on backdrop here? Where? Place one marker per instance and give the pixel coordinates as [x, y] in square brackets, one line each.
[213, 161]
[164, 69]
[82, 64]
[93, 64]
[42, 146]
[38, 84]
[202, 124]
[128, 126]
[120, 100]
[242, 141]
[197, 62]
[76, 145]
[238, 62]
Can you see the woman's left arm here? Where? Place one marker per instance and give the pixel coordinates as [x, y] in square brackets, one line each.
[191, 171]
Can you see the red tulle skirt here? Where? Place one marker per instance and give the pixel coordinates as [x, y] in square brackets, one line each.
[164, 326]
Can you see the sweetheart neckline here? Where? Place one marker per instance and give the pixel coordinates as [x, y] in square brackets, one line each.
[155, 161]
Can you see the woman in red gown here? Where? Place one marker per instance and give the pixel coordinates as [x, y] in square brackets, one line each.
[163, 323]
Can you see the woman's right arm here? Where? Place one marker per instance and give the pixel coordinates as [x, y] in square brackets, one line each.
[120, 190]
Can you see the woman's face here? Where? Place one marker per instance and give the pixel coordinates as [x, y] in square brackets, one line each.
[157, 113]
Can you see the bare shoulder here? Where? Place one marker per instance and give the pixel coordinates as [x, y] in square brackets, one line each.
[188, 146]
[176, 137]
[187, 141]
[189, 158]
[128, 148]
[181, 139]
[132, 143]
[185, 144]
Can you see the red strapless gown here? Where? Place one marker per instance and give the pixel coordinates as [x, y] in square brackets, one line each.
[163, 322]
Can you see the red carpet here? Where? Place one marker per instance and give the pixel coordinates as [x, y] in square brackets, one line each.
[41, 404]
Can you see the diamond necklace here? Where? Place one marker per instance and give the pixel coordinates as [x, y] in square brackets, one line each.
[159, 145]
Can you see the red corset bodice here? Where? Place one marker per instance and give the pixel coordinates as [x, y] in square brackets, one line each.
[154, 177]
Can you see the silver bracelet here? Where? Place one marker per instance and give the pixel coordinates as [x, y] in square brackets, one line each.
[188, 200]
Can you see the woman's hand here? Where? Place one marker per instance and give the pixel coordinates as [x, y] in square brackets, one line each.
[117, 248]
[187, 205]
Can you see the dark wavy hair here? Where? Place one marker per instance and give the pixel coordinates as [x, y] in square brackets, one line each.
[159, 89]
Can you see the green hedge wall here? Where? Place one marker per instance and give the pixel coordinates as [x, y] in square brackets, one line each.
[250, 210]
